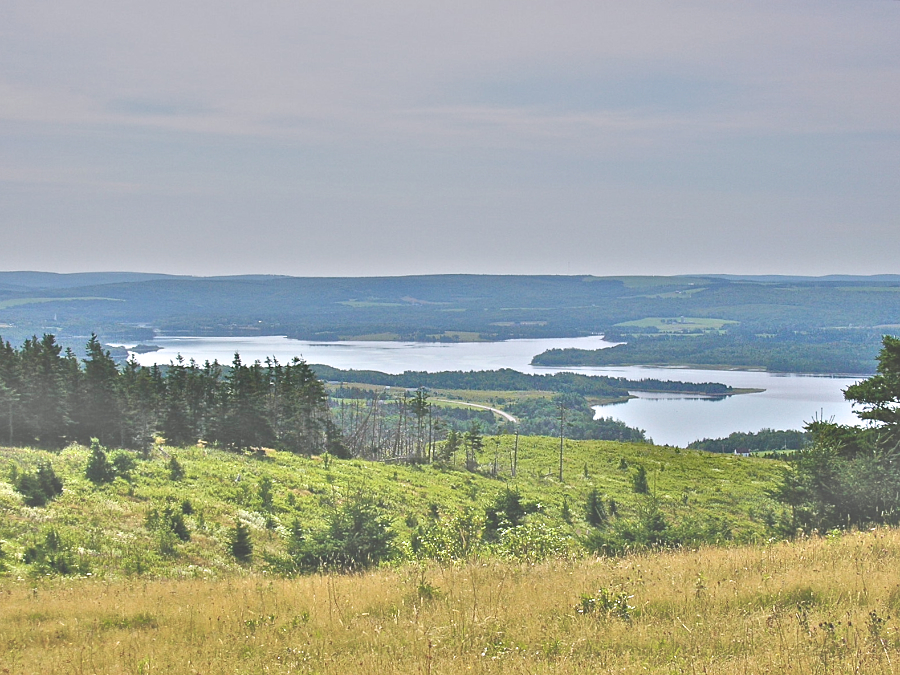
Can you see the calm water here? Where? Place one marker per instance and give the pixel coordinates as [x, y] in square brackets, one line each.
[787, 402]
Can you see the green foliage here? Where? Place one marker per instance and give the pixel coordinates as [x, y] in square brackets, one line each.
[40, 488]
[765, 440]
[474, 444]
[594, 510]
[815, 351]
[239, 542]
[357, 536]
[264, 491]
[508, 510]
[168, 519]
[532, 542]
[123, 463]
[98, 469]
[649, 529]
[175, 469]
[53, 556]
[850, 476]
[454, 538]
[880, 395]
[605, 603]
[639, 481]
[442, 511]
[451, 445]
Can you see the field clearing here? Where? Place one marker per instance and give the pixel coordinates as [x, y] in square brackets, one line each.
[684, 324]
[19, 302]
[823, 605]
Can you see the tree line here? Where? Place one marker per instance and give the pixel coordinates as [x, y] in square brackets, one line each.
[507, 379]
[49, 398]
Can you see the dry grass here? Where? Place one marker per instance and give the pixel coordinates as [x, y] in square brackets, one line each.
[816, 606]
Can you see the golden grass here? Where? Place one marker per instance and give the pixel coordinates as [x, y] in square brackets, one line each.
[815, 606]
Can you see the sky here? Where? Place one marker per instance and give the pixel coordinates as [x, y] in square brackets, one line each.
[404, 137]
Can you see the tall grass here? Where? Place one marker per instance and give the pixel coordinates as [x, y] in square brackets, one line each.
[824, 605]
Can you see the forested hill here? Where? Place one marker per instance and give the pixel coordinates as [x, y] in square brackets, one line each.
[507, 379]
[843, 317]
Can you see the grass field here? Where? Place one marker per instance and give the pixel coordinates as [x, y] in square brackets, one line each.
[684, 324]
[824, 605]
[107, 525]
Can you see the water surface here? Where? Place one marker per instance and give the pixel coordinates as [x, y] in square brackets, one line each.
[787, 402]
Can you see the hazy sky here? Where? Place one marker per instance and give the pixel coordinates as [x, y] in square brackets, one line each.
[402, 137]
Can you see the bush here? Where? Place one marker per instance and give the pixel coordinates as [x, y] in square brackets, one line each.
[53, 556]
[169, 519]
[532, 542]
[123, 463]
[358, 536]
[507, 511]
[176, 471]
[38, 489]
[454, 538]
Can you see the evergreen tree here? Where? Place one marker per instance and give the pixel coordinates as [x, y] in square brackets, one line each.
[239, 542]
[176, 470]
[98, 411]
[47, 388]
[595, 511]
[245, 424]
[9, 391]
[474, 443]
[98, 469]
[639, 481]
[141, 397]
[51, 484]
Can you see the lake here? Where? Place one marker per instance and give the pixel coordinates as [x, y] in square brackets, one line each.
[787, 402]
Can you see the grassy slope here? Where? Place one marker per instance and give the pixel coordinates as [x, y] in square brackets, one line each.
[106, 524]
[824, 605]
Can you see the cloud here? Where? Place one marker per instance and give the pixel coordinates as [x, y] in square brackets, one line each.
[406, 116]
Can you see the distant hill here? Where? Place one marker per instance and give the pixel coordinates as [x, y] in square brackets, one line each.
[845, 315]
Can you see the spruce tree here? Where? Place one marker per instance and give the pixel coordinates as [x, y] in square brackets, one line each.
[639, 481]
[239, 542]
[98, 469]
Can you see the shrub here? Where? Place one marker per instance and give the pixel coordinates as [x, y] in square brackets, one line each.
[38, 489]
[53, 556]
[453, 538]
[169, 519]
[532, 542]
[605, 604]
[123, 463]
[358, 536]
[176, 471]
[507, 511]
